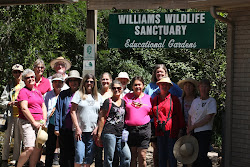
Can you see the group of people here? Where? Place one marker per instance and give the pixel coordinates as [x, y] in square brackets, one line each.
[80, 120]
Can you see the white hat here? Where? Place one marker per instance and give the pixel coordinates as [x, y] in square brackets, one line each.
[73, 74]
[42, 137]
[66, 61]
[57, 77]
[17, 67]
[123, 75]
[186, 149]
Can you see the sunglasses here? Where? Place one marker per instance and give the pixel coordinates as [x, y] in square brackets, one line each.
[29, 77]
[89, 82]
[119, 88]
[17, 72]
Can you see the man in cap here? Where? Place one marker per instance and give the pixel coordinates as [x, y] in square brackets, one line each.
[50, 100]
[9, 103]
[60, 65]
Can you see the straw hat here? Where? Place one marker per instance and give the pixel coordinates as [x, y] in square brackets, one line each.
[186, 149]
[73, 74]
[164, 80]
[123, 75]
[66, 61]
[191, 80]
[42, 137]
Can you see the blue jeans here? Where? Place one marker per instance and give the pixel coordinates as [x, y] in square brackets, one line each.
[110, 143]
[84, 149]
[165, 147]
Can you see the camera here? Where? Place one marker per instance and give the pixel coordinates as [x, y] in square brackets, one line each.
[161, 126]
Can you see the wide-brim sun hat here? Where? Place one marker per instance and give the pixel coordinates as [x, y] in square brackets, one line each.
[123, 75]
[42, 137]
[164, 80]
[186, 149]
[60, 59]
[181, 83]
[73, 74]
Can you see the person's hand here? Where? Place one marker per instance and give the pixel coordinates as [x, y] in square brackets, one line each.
[190, 128]
[78, 134]
[36, 124]
[11, 103]
[98, 140]
[94, 132]
[57, 133]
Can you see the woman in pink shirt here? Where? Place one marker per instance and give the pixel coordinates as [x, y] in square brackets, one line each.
[32, 115]
[137, 120]
[42, 84]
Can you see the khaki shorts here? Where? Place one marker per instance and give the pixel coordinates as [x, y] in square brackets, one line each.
[28, 133]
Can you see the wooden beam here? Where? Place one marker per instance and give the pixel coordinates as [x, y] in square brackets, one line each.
[136, 4]
[33, 2]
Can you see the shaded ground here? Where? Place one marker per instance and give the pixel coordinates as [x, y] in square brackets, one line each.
[214, 156]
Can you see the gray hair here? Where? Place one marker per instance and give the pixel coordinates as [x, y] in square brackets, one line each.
[37, 62]
[116, 82]
[26, 72]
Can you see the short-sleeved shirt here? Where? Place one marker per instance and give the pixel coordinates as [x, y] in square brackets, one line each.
[15, 93]
[43, 86]
[115, 121]
[137, 115]
[50, 100]
[201, 108]
[185, 108]
[87, 111]
[35, 102]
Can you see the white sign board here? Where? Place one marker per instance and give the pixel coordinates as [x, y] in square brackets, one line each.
[89, 51]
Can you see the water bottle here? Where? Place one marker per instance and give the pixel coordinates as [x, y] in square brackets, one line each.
[125, 134]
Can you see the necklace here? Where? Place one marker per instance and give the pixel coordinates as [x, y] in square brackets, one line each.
[136, 104]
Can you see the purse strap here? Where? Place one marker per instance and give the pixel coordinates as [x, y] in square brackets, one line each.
[157, 112]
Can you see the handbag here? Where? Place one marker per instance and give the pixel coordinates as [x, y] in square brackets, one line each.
[3, 121]
[100, 144]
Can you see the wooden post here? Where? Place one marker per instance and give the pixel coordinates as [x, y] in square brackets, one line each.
[91, 36]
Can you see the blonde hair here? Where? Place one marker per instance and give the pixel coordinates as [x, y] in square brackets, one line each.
[82, 89]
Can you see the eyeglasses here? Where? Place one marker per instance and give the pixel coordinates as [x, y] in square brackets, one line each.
[40, 67]
[119, 88]
[17, 72]
[89, 81]
[29, 77]
[60, 64]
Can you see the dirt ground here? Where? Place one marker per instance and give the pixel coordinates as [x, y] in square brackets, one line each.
[214, 156]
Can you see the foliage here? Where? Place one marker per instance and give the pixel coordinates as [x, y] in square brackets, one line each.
[49, 31]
